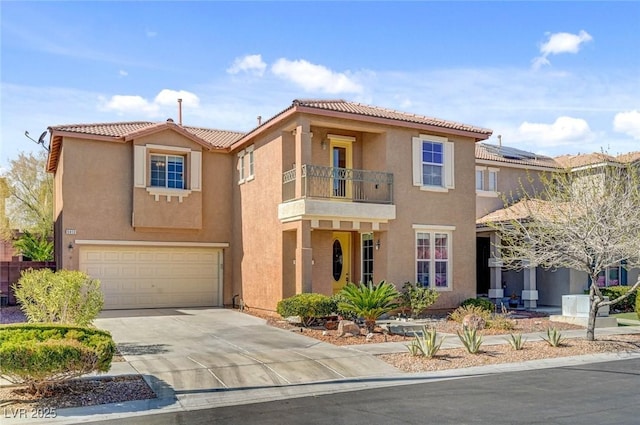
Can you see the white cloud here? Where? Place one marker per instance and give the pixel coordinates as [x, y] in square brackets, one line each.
[170, 98]
[558, 43]
[151, 34]
[250, 63]
[138, 105]
[123, 73]
[565, 130]
[313, 77]
[628, 123]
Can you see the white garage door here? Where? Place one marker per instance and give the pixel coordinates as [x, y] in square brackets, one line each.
[152, 277]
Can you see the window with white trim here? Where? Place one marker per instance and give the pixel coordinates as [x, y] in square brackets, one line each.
[493, 180]
[479, 179]
[167, 171]
[246, 165]
[433, 259]
[613, 276]
[433, 163]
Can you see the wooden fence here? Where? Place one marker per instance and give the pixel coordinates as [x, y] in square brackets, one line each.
[10, 272]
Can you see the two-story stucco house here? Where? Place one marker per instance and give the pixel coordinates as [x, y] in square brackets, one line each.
[323, 193]
[502, 173]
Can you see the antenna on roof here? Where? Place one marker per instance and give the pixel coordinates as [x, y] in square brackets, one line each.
[180, 111]
[40, 140]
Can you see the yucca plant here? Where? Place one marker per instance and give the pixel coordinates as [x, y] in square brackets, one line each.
[428, 344]
[554, 338]
[516, 341]
[369, 301]
[471, 340]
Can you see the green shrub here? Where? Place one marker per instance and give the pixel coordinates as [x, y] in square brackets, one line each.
[66, 296]
[471, 340]
[337, 299]
[627, 305]
[459, 313]
[308, 306]
[369, 301]
[479, 302]
[34, 247]
[417, 298]
[41, 355]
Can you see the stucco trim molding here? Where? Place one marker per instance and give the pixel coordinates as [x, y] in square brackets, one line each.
[152, 243]
[330, 210]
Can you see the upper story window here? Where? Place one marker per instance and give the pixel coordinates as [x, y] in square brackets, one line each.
[246, 165]
[486, 181]
[479, 179]
[167, 171]
[433, 163]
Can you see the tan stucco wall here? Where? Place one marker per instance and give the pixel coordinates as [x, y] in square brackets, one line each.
[512, 182]
[95, 178]
[260, 269]
[414, 206]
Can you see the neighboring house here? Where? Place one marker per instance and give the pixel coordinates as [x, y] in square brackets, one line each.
[532, 285]
[323, 193]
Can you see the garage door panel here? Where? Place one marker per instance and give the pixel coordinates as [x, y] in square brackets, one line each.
[145, 277]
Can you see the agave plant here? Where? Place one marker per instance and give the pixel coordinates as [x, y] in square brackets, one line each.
[369, 301]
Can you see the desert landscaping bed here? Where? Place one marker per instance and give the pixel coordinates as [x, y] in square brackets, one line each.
[95, 391]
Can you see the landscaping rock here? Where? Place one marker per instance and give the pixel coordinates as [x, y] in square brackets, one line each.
[473, 321]
[348, 327]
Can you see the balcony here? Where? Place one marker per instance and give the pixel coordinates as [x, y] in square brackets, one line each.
[346, 184]
[338, 193]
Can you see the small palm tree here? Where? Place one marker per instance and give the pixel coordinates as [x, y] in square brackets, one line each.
[369, 301]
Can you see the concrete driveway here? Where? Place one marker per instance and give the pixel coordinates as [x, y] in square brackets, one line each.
[186, 351]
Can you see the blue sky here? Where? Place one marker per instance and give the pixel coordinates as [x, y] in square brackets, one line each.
[550, 77]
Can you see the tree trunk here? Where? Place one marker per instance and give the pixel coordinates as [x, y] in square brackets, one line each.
[593, 313]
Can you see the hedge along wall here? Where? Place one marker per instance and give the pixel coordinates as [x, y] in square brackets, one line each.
[10, 272]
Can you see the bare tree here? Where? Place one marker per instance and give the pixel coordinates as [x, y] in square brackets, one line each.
[584, 220]
[30, 195]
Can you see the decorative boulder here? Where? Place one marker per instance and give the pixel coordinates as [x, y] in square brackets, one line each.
[473, 321]
[348, 327]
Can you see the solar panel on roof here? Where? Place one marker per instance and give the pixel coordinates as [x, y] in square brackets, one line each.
[511, 153]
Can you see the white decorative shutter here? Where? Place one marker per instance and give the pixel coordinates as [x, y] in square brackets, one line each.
[196, 171]
[416, 158]
[449, 167]
[139, 166]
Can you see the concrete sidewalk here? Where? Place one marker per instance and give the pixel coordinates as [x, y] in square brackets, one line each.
[304, 367]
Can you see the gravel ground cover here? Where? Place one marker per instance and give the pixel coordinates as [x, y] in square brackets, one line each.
[95, 391]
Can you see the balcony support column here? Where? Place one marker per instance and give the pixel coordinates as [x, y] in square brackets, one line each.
[303, 153]
[304, 257]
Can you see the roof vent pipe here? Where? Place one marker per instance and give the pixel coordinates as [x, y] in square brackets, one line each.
[500, 140]
[259, 120]
[180, 111]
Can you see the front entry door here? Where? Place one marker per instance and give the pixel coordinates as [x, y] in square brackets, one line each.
[341, 260]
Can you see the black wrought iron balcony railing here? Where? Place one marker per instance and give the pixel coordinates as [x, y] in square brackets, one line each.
[340, 183]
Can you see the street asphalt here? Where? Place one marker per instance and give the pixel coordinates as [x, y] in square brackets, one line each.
[205, 358]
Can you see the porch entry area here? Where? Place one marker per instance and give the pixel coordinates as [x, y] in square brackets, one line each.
[325, 259]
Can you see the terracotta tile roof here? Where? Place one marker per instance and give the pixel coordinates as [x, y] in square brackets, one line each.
[359, 109]
[584, 159]
[629, 157]
[521, 210]
[374, 111]
[216, 138]
[510, 155]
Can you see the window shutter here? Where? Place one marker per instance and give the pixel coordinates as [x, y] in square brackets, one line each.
[139, 166]
[417, 161]
[449, 162]
[196, 171]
